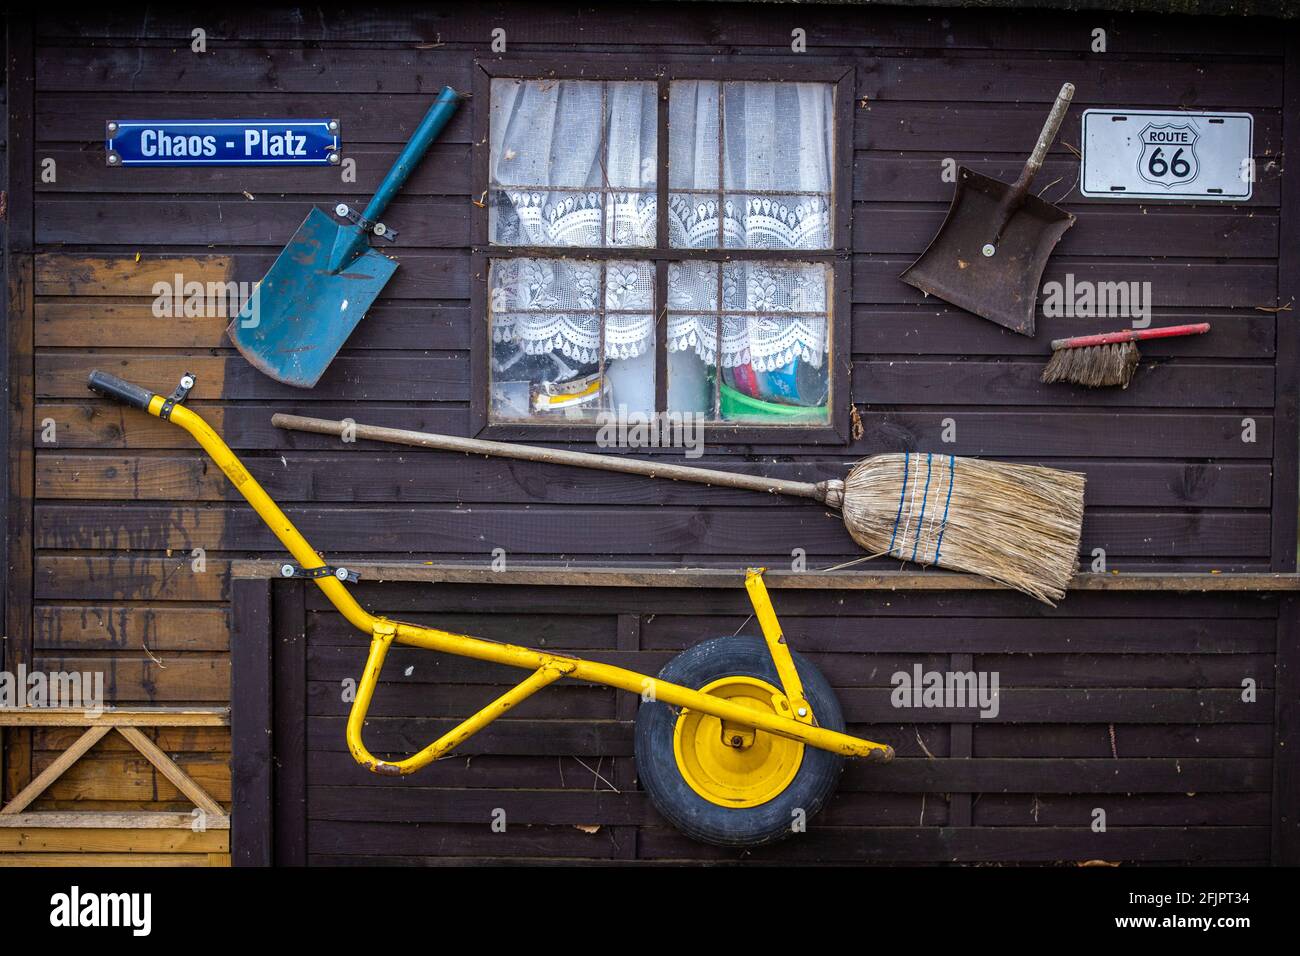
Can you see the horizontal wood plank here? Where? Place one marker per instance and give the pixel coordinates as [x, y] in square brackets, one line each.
[417, 476]
[1037, 434]
[533, 531]
[131, 627]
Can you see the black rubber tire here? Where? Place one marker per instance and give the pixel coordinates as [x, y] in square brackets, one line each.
[685, 809]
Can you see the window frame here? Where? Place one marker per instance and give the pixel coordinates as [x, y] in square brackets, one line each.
[836, 429]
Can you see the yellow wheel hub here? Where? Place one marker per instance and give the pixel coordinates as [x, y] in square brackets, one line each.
[732, 765]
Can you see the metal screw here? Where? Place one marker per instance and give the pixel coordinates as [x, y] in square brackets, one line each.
[187, 381]
[112, 127]
[803, 711]
[380, 229]
[736, 741]
[341, 209]
[334, 125]
[988, 250]
[286, 570]
[333, 158]
[341, 573]
[112, 159]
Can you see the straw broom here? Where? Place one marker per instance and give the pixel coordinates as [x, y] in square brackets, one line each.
[1016, 524]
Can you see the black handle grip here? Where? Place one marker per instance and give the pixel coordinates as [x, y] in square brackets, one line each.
[123, 391]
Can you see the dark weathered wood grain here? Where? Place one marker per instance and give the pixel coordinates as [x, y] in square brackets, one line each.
[357, 476]
[1036, 434]
[291, 69]
[1286, 761]
[252, 713]
[903, 176]
[287, 651]
[1155, 385]
[1178, 232]
[119, 501]
[541, 531]
[710, 29]
[1286, 447]
[1131, 740]
[1008, 844]
[19, 375]
[936, 328]
[1173, 283]
[1000, 128]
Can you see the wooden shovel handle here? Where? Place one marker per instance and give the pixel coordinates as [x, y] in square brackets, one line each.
[1048, 134]
[1130, 335]
[1016, 197]
[558, 456]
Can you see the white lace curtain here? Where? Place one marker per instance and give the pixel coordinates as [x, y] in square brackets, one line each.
[573, 163]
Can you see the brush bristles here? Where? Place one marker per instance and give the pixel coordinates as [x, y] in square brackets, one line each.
[1017, 524]
[1094, 365]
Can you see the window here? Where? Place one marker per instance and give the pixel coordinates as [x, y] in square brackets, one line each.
[664, 245]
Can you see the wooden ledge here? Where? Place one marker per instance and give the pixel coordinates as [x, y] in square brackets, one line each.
[848, 580]
[115, 717]
[110, 820]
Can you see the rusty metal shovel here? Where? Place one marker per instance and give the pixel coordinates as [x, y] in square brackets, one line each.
[989, 256]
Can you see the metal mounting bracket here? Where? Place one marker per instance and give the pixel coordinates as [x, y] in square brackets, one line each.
[344, 211]
[178, 396]
[288, 570]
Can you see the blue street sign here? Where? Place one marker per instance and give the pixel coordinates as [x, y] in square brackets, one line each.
[222, 143]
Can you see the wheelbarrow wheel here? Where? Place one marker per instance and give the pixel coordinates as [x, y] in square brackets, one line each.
[734, 786]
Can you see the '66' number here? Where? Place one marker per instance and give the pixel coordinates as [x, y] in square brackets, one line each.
[1159, 167]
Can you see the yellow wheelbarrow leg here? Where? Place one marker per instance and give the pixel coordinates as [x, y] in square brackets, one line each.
[795, 703]
[545, 668]
[385, 631]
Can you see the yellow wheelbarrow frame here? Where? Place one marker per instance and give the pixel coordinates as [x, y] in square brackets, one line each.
[793, 717]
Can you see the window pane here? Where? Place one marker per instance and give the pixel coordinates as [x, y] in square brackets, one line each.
[571, 338]
[778, 222]
[775, 287]
[524, 218]
[765, 325]
[572, 163]
[778, 137]
[694, 159]
[631, 135]
[767, 182]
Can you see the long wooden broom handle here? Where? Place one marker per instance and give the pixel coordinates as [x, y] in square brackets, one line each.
[1130, 335]
[827, 491]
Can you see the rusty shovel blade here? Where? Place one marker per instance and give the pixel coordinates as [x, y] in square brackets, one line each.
[1003, 287]
[989, 256]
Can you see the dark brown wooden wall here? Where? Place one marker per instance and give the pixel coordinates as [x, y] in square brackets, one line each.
[1127, 703]
[121, 500]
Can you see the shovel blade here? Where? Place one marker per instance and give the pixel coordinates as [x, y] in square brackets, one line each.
[1002, 288]
[301, 313]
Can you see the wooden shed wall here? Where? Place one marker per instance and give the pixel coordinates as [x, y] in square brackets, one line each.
[1128, 703]
[119, 501]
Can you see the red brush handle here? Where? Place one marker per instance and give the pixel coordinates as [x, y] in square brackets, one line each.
[1130, 335]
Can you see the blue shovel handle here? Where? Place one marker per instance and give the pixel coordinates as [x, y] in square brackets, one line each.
[439, 113]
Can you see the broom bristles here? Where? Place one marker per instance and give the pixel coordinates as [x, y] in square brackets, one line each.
[1017, 524]
[1093, 365]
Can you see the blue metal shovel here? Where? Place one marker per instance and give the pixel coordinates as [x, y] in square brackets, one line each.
[321, 285]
